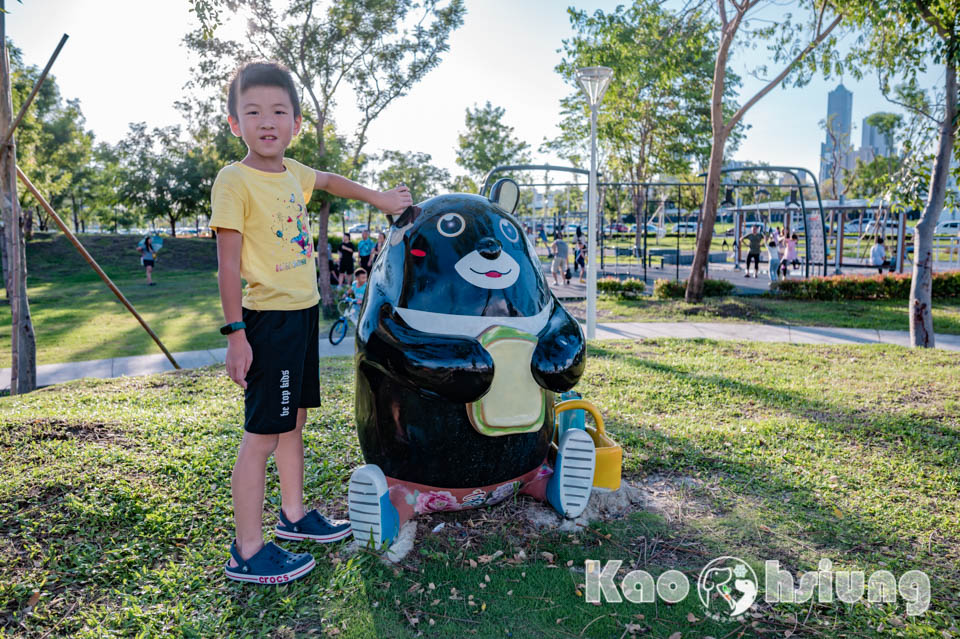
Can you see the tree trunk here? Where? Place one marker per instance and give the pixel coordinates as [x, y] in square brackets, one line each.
[23, 374]
[28, 224]
[694, 291]
[327, 306]
[76, 219]
[921, 285]
[639, 203]
[708, 218]
[173, 226]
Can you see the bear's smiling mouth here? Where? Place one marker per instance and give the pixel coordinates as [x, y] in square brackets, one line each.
[492, 273]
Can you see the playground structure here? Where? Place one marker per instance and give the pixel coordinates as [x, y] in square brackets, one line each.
[655, 205]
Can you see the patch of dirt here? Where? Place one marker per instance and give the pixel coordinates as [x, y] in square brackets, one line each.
[62, 430]
[734, 310]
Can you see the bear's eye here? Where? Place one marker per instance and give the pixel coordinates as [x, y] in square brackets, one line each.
[509, 230]
[451, 225]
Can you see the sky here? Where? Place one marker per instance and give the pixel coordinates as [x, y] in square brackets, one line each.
[126, 63]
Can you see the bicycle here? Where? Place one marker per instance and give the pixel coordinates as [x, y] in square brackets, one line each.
[347, 315]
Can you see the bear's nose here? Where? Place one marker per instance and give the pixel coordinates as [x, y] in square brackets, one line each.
[489, 248]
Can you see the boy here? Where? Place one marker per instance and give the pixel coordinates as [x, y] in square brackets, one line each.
[272, 335]
[357, 291]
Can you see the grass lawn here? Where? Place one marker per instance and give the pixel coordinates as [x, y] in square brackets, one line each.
[77, 318]
[115, 512]
[877, 314]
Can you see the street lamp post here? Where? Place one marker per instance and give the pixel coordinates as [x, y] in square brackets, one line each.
[594, 82]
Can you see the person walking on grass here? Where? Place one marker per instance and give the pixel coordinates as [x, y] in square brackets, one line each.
[148, 257]
[272, 332]
[755, 240]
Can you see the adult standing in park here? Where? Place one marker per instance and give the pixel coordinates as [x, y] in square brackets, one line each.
[560, 254]
[381, 245]
[148, 257]
[365, 250]
[346, 259]
[755, 241]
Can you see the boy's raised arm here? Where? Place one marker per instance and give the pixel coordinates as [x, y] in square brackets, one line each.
[239, 353]
[392, 202]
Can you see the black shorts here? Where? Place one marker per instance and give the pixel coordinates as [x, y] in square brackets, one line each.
[147, 263]
[285, 373]
[346, 266]
[755, 257]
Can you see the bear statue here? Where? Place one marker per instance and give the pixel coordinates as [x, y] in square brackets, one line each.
[460, 349]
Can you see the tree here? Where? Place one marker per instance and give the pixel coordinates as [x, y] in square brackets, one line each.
[23, 372]
[792, 45]
[413, 169]
[163, 176]
[900, 39]
[872, 179]
[654, 118]
[488, 142]
[379, 49]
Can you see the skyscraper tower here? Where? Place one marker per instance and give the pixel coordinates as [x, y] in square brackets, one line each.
[872, 139]
[839, 118]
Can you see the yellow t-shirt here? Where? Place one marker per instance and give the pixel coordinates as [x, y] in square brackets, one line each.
[270, 209]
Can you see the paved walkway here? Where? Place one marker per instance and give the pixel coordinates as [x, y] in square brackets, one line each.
[146, 364]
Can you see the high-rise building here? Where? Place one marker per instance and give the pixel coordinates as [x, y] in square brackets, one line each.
[839, 119]
[872, 142]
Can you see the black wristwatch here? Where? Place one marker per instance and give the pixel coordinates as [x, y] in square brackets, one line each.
[230, 328]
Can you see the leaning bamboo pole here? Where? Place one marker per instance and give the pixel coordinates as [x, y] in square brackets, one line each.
[93, 263]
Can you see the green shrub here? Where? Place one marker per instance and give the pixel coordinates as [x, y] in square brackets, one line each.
[672, 289]
[895, 286]
[335, 242]
[629, 288]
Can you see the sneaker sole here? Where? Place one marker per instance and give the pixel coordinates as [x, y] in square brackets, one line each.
[578, 457]
[367, 493]
[323, 539]
[273, 580]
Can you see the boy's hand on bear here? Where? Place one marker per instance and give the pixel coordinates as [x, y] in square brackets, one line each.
[395, 200]
[239, 358]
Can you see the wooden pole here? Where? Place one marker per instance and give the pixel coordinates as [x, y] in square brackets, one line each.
[93, 263]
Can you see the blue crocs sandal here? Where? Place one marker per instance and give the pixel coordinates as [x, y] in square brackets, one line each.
[271, 565]
[314, 527]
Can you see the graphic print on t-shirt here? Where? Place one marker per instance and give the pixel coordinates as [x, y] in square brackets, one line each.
[293, 232]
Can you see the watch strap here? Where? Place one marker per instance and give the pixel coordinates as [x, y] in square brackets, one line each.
[232, 327]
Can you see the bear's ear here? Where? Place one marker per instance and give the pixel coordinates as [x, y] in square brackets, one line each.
[406, 218]
[505, 194]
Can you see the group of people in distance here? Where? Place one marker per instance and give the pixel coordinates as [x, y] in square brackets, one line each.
[350, 275]
[781, 251]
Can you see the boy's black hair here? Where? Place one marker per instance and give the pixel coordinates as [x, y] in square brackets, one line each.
[359, 271]
[261, 74]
